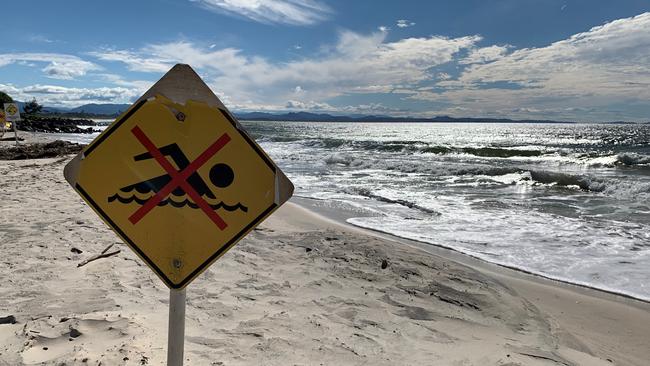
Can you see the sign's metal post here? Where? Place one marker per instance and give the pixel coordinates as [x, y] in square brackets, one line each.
[176, 336]
[15, 126]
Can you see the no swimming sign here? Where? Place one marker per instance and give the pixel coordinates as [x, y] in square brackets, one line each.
[178, 179]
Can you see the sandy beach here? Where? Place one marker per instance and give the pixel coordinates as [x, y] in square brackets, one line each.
[300, 290]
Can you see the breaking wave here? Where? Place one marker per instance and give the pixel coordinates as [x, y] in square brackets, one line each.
[486, 152]
[423, 147]
[367, 193]
[556, 179]
[620, 159]
[519, 174]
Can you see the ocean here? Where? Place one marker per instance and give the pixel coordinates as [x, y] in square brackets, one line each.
[565, 201]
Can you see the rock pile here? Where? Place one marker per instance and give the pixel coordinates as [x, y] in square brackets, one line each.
[39, 150]
[56, 125]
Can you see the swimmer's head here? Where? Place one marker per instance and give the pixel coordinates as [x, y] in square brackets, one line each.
[221, 175]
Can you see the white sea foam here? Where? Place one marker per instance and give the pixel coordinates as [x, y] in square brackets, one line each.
[623, 158]
[562, 253]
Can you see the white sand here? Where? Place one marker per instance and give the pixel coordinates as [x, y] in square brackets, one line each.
[300, 290]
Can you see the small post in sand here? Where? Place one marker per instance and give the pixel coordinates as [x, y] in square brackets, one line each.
[3, 122]
[176, 336]
[14, 125]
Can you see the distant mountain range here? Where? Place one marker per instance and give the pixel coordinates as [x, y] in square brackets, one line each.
[90, 109]
[113, 110]
[323, 117]
[104, 109]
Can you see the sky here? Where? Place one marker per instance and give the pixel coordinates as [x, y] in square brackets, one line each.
[582, 60]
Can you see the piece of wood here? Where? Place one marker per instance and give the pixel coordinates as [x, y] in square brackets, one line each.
[98, 256]
[107, 248]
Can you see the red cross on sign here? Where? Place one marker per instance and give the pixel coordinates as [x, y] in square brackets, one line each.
[179, 178]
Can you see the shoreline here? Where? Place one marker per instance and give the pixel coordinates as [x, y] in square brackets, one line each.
[563, 302]
[457, 255]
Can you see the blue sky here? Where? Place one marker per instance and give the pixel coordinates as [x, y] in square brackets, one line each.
[579, 60]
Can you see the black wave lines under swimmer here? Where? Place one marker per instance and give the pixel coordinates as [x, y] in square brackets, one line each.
[183, 203]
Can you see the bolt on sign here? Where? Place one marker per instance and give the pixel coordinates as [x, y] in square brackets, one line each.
[178, 178]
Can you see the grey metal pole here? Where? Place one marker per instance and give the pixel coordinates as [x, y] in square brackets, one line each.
[15, 125]
[176, 335]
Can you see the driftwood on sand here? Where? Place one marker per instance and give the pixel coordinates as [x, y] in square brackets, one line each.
[103, 254]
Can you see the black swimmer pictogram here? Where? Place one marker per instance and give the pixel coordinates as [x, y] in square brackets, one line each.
[221, 175]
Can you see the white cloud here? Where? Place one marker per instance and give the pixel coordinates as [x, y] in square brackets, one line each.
[54, 95]
[58, 70]
[314, 106]
[485, 54]
[371, 108]
[133, 61]
[308, 106]
[141, 85]
[609, 56]
[603, 73]
[356, 63]
[403, 23]
[383, 28]
[589, 72]
[39, 38]
[295, 12]
[58, 66]
[159, 58]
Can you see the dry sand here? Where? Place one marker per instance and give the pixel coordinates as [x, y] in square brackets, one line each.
[300, 290]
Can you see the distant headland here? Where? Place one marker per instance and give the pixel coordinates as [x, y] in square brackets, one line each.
[110, 111]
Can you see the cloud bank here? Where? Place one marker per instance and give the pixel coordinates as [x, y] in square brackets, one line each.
[57, 66]
[600, 74]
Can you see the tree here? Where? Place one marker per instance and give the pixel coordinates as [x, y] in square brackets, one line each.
[5, 98]
[32, 107]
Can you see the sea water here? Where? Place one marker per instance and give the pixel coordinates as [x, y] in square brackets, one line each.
[565, 201]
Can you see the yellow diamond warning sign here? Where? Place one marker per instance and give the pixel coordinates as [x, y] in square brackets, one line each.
[12, 113]
[178, 178]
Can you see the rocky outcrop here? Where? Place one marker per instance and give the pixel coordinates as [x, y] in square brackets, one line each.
[39, 150]
[56, 125]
